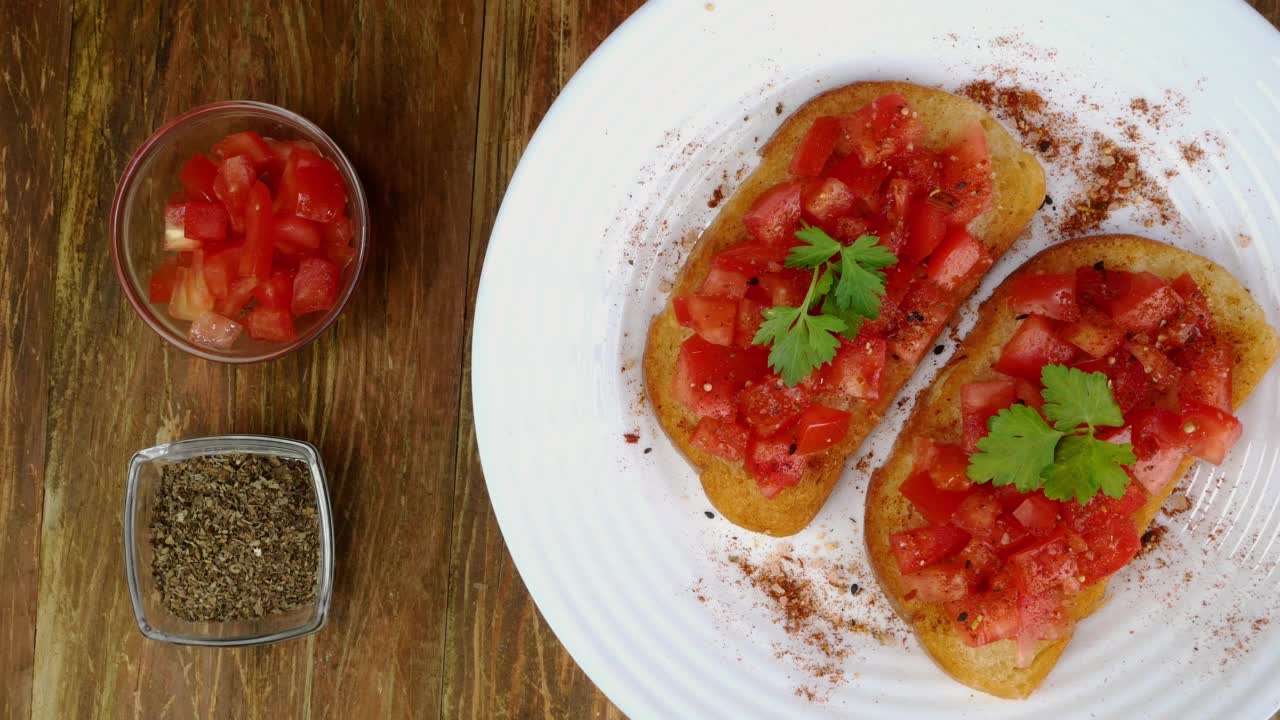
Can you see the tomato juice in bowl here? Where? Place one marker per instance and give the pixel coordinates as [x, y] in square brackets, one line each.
[157, 179]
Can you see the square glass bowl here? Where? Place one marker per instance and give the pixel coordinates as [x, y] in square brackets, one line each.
[154, 620]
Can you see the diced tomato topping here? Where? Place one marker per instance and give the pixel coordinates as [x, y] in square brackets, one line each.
[946, 463]
[856, 369]
[1211, 432]
[1093, 333]
[768, 406]
[926, 225]
[725, 283]
[1097, 512]
[823, 200]
[255, 260]
[958, 259]
[1160, 370]
[750, 317]
[1112, 542]
[1206, 365]
[966, 175]
[933, 503]
[163, 281]
[774, 217]
[884, 127]
[714, 318]
[863, 181]
[980, 559]
[1127, 377]
[785, 287]
[197, 178]
[708, 377]
[1146, 304]
[1195, 319]
[1028, 393]
[819, 427]
[1052, 295]
[238, 296]
[774, 464]
[247, 143]
[984, 618]
[978, 402]
[205, 221]
[978, 514]
[924, 311]
[1098, 286]
[922, 547]
[848, 229]
[942, 582]
[751, 259]
[1037, 513]
[722, 438]
[816, 147]
[1033, 345]
[1046, 566]
[269, 323]
[315, 288]
[1159, 443]
[1009, 536]
[1040, 617]
[214, 331]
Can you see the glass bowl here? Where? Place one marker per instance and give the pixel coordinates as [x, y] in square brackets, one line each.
[137, 216]
[154, 619]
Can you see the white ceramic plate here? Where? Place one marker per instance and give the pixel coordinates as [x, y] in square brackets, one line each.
[612, 540]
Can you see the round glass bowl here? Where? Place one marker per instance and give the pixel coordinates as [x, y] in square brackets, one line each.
[137, 216]
[154, 619]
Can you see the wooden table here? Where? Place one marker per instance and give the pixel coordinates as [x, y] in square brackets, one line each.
[434, 102]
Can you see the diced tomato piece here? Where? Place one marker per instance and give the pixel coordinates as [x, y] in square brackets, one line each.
[1037, 513]
[984, 618]
[238, 295]
[980, 559]
[816, 147]
[750, 317]
[220, 270]
[1161, 371]
[966, 175]
[270, 323]
[897, 196]
[848, 229]
[856, 369]
[205, 221]
[339, 253]
[1040, 617]
[1195, 320]
[958, 259]
[1085, 518]
[163, 280]
[197, 178]
[774, 217]
[819, 427]
[1097, 286]
[919, 166]
[1028, 393]
[978, 402]
[315, 288]
[946, 463]
[934, 504]
[214, 331]
[1009, 536]
[922, 547]
[725, 283]
[708, 377]
[247, 143]
[1046, 566]
[863, 181]
[276, 291]
[1127, 377]
[942, 582]
[321, 194]
[1052, 295]
[1033, 345]
[1159, 444]
[926, 225]
[1145, 304]
[785, 287]
[924, 311]
[714, 318]
[1211, 432]
[297, 233]
[823, 200]
[774, 463]
[1113, 541]
[723, 438]
[235, 176]
[1093, 333]
[255, 259]
[978, 514]
[1206, 365]
[751, 259]
[768, 406]
[886, 126]
[191, 296]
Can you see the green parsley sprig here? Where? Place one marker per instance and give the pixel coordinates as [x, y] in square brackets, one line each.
[848, 281]
[1065, 460]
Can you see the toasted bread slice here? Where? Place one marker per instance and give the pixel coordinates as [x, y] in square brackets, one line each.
[993, 668]
[1018, 193]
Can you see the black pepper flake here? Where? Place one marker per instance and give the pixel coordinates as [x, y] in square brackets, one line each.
[1099, 266]
[854, 589]
[939, 349]
[648, 450]
[1047, 201]
[962, 617]
[710, 515]
[792, 450]
[915, 316]
[1045, 146]
[1023, 316]
[895, 356]
[968, 564]
[754, 281]
[1148, 537]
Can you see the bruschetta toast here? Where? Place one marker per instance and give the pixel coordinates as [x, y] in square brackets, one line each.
[928, 175]
[995, 598]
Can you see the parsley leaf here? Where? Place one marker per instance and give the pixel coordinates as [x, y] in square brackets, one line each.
[819, 247]
[861, 278]
[1086, 464]
[806, 343]
[1073, 397]
[868, 251]
[852, 320]
[1018, 449]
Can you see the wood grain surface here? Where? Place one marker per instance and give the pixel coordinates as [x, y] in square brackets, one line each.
[434, 101]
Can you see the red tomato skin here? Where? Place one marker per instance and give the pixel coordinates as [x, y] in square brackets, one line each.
[725, 439]
[856, 369]
[1112, 542]
[823, 200]
[1194, 321]
[1145, 304]
[238, 295]
[725, 283]
[768, 406]
[978, 402]
[864, 182]
[1211, 432]
[315, 288]
[785, 287]
[926, 227]
[774, 464]
[247, 143]
[751, 259]
[924, 311]
[204, 221]
[197, 178]
[946, 464]
[220, 271]
[750, 317]
[1036, 513]
[922, 547]
[819, 427]
[1093, 333]
[1159, 444]
[235, 178]
[978, 514]
[276, 291]
[714, 318]
[297, 233]
[886, 126]
[1046, 566]
[321, 194]
[1206, 365]
[816, 147]
[958, 259]
[270, 323]
[984, 618]
[255, 260]
[1033, 345]
[708, 377]
[1160, 370]
[774, 217]
[1099, 286]
[934, 504]
[1052, 295]
[966, 175]
[942, 582]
